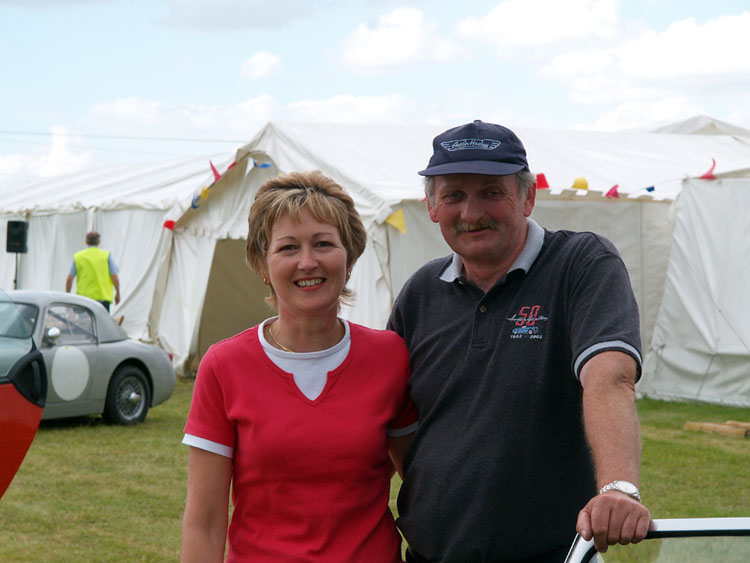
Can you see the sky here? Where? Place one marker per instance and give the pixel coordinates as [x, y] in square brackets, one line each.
[92, 83]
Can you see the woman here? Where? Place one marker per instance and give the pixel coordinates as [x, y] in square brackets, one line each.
[300, 413]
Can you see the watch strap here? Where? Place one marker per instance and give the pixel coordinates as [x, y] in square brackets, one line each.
[625, 487]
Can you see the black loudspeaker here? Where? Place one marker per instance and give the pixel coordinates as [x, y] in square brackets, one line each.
[17, 231]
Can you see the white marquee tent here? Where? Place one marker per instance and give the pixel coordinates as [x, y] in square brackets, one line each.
[701, 344]
[188, 286]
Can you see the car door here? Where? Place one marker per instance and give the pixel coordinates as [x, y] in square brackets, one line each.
[677, 540]
[23, 389]
[70, 348]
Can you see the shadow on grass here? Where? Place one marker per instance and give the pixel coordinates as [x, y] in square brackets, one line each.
[73, 422]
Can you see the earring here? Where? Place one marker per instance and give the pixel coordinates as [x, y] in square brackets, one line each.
[265, 281]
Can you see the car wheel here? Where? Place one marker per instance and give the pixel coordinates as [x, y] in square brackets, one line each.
[127, 397]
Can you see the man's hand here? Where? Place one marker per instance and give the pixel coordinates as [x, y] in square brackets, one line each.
[613, 518]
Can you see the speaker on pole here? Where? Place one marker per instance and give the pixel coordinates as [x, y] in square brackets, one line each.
[16, 241]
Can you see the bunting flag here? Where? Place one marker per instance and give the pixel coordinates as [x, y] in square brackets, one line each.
[541, 182]
[204, 192]
[710, 174]
[580, 183]
[613, 191]
[169, 224]
[261, 164]
[650, 189]
[397, 219]
[216, 172]
[231, 166]
[194, 204]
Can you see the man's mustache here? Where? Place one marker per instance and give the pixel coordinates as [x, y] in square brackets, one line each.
[463, 226]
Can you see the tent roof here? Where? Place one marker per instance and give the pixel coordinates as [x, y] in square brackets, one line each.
[703, 125]
[157, 185]
[380, 163]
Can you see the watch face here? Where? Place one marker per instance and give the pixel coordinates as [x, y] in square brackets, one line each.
[626, 487]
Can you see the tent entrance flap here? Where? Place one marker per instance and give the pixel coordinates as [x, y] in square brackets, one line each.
[234, 296]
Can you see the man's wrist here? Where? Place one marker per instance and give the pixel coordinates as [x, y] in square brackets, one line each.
[624, 487]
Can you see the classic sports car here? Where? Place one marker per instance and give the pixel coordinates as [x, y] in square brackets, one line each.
[23, 388]
[92, 365]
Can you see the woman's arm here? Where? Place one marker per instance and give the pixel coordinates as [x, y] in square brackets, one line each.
[204, 525]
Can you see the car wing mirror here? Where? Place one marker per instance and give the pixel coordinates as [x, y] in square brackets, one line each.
[52, 335]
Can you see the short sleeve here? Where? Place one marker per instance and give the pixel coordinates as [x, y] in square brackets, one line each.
[208, 410]
[605, 309]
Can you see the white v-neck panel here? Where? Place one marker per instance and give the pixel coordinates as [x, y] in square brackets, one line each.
[310, 369]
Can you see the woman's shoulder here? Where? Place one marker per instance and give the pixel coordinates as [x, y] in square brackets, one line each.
[238, 341]
[376, 337]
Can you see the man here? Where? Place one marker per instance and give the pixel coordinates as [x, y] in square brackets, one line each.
[525, 351]
[96, 272]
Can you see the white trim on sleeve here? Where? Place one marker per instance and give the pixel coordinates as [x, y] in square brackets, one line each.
[208, 445]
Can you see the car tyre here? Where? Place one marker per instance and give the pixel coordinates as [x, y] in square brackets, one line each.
[128, 397]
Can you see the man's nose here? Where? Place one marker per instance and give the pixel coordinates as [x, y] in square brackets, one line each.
[473, 209]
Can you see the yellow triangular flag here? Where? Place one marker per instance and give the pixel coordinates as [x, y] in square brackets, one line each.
[580, 183]
[397, 220]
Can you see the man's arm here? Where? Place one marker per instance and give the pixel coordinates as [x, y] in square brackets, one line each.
[116, 283]
[613, 433]
[68, 283]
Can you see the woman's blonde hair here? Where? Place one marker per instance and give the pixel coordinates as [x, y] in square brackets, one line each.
[289, 194]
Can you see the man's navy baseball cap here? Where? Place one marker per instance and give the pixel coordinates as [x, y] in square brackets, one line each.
[476, 148]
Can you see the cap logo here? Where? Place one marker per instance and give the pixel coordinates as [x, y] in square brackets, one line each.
[474, 144]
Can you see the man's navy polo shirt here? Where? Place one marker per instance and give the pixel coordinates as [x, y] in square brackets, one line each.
[499, 466]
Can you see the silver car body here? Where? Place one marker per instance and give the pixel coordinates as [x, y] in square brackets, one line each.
[86, 351]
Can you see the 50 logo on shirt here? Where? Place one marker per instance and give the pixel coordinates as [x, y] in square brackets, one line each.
[525, 322]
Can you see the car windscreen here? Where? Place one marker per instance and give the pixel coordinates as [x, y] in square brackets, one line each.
[680, 550]
[15, 336]
[17, 320]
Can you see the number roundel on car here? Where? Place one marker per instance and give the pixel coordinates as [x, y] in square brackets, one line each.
[69, 374]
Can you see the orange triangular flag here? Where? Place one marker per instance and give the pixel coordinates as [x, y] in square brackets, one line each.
[613, 191]
[541, 182]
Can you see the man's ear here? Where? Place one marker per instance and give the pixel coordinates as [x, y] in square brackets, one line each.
[432, 211]
[529, 201]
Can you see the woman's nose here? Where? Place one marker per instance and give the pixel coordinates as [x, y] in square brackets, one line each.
[307, 259]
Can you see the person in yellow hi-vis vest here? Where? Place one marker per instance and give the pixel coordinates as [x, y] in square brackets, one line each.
[95, 271]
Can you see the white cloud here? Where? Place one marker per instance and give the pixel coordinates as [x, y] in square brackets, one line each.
[531, 23]
[401, 37]
[718, 47]
[134, 116]
[64, 154]
[348, 109]
[648, 114]
[685, 50]
[259, 65]
[659, 76]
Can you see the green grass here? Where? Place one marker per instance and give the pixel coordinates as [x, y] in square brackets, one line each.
[92, 492]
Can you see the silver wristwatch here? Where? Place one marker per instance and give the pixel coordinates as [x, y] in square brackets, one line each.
[625, 487]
